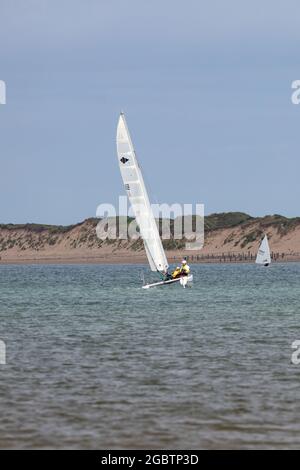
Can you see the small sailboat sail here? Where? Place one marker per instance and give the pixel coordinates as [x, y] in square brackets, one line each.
[263, 256]
[138, 197]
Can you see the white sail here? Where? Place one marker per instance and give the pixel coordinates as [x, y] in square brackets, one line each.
[138, 197]
[263, 255]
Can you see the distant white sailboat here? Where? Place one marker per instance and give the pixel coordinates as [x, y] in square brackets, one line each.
[263, 256]
[138, 197]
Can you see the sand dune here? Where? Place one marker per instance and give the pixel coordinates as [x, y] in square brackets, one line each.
[234, 235]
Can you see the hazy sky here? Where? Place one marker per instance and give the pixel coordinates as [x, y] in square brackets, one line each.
[205, 85]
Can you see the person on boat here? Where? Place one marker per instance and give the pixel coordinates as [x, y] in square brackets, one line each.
[185, 269]
[176, 272]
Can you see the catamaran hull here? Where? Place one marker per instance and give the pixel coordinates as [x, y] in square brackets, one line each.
[182, 280]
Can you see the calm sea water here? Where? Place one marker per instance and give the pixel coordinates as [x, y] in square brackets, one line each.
[94, 361]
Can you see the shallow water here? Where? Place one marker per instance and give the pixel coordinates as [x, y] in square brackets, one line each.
[94, 361]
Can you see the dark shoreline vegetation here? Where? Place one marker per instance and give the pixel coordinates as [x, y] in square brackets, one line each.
[83, 234]
[212, 222]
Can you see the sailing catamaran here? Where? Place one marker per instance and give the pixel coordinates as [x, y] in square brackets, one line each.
[138, 197]
[263, 256]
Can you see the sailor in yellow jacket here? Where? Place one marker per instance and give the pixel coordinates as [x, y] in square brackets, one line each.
[185, 269]
[176, 272]
[182, 270]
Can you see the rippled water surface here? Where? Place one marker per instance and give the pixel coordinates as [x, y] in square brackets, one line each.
[94, 361]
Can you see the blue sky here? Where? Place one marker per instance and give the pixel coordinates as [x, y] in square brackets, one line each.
[205, 85]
